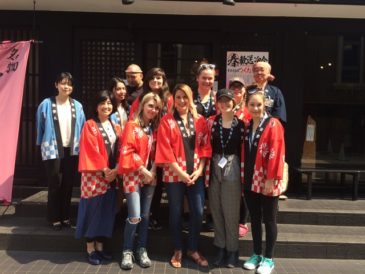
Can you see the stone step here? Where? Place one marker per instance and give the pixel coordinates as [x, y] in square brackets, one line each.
[294, 241]
[291, 211]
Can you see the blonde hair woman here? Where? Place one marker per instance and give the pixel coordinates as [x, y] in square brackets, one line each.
[139, 177]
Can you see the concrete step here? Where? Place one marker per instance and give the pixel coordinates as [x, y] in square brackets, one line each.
[25, 191]
[338, 212]
[15, 262]
[294, 241]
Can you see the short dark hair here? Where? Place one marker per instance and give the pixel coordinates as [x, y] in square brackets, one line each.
[100, 97]
[64, 75]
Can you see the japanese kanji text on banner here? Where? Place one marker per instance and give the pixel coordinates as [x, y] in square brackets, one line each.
[13, 65]
[240, 63]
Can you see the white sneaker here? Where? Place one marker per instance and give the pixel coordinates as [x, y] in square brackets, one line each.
[142, 258]
[266, 266]
[127, 260]
[253, 262]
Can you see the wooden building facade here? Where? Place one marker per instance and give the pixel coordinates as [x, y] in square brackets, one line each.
[318, 63]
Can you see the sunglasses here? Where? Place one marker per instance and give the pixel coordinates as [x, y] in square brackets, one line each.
[205, 66]
[254, 90]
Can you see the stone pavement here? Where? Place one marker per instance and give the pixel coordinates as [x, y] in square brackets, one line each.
[22, 262]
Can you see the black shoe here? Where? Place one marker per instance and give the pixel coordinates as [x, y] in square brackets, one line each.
[56, 226]
[232, 258]
[219, 258]
[154, 225]
[208, 226]
[66, 223]
[105, 256]
[93, 258]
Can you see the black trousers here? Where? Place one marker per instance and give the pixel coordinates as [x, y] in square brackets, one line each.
[243, 211]
[263, 209]
[156, 200]
[61, 174]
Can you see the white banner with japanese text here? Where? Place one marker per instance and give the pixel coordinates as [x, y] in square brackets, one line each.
[240, 63]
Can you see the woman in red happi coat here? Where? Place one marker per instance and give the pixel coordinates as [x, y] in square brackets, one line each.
[156, 82]
[97, 164]
[264, 158]
[182, 149]
[139, 177]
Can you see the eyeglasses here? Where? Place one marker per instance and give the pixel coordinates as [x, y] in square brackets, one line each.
[205, 66]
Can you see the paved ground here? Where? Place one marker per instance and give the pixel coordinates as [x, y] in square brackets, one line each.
[21, 262]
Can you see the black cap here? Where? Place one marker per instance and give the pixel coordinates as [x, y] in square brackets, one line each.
[225, 93]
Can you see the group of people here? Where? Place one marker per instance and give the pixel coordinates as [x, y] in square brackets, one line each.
[141, 136]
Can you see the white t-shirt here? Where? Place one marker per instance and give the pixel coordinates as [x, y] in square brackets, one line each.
[110, 132]
[64, 120]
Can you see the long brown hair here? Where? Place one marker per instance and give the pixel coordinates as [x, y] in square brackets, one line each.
[113, 85]
[164, 90]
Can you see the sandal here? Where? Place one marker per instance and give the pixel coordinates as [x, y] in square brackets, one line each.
[176, 259]
[197, 258]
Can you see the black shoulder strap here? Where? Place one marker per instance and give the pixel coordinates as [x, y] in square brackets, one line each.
[108, 146]
[73, 123]
[57, 127]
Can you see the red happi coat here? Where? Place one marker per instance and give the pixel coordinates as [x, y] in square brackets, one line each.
[210, 122]
[270, 158]
[135, 151]
[170, 147]
[135, 105]
[93, 159]
[243, 115]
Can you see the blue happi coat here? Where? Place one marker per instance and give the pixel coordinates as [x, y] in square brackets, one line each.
[47, 134]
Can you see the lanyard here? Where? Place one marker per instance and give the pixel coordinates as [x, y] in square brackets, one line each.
[206, 106]
[183, 130]
[146, 129]
[253, 137]
[221, 133]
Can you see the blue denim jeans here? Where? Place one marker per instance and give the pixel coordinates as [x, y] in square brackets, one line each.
[195, 195]
[139, 204]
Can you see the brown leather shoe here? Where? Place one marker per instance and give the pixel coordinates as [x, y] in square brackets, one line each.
[197, 258]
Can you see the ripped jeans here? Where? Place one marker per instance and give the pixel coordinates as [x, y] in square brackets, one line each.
[139, 203]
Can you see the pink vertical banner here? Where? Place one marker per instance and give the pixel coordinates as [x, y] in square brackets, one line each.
[13, 65]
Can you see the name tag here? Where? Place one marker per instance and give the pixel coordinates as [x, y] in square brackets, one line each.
[269, 102]
[222, 162]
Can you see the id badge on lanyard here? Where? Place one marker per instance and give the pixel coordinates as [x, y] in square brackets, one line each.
[222, 162]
